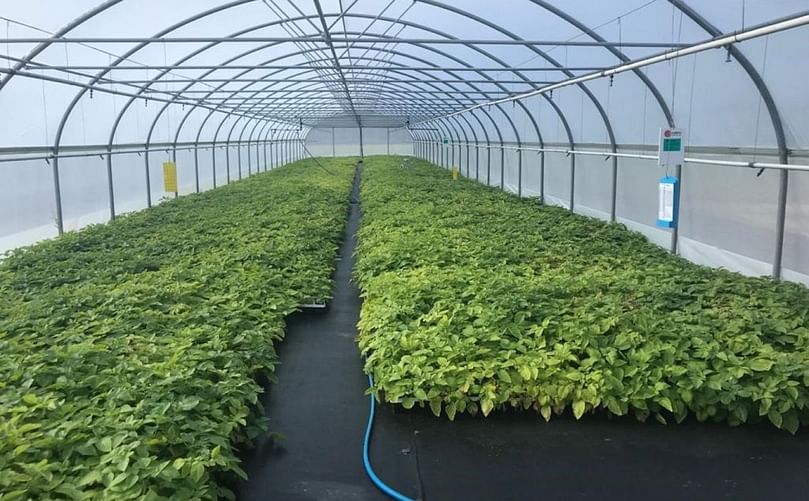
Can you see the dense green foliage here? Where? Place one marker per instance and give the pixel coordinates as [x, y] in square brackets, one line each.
[129, 352]
[476, 299]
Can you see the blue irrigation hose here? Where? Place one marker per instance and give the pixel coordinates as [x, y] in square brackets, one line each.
[366, 457]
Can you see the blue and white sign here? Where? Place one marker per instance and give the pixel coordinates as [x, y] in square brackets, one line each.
[671, 148]
[668, 202]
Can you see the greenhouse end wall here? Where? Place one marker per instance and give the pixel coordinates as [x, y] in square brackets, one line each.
[345, 141]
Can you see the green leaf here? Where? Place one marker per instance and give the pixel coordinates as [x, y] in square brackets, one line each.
[486, 406]
[451, 409]
[197, 471]
[91, 477]
[790, 422]
[665, 403]
[578, 408]
[435, 406]
[761, 365]
[189, 403]
[775, 418]
[104, 444]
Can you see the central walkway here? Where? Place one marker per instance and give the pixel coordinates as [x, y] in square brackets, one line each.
[318, 405]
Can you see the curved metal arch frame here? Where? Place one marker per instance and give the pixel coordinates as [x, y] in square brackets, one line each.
[288, 20]
[528, 114]
[480, 123]
[476, 118]
[246, 91]
[617, 53]
[642, 76]
[402, 68]
[485, 76]
[429, 83]
[465, 120]
[75, 23]
[533, 49]
[138, 47]
[777, 124]
[783, 151]
[553, 62]
[110, 3]
[94, 80]
[752, 74]
[196, 52]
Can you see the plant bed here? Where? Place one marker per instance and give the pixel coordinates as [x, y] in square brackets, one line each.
[476, 299]
[130, 351]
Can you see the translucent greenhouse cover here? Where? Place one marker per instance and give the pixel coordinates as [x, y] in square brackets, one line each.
[96, 95]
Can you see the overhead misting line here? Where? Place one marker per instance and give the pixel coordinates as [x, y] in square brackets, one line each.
[8, 48]
[645, 101]
[722, 41]
[376, 74]
[91, 47]
[114, 107]
[345, 30]
[743, 11]
[316, 160]
[581, 117]
[760, 101]
[676, 62]
[45, 112]
[691, 96]
[594, 28]
[168, 110]
[675, 72]
[292, 28]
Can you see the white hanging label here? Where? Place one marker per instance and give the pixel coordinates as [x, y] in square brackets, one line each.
[668, 201]
[666, 210]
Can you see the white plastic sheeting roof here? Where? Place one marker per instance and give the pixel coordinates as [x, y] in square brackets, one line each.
[398, 65]
[230, 87]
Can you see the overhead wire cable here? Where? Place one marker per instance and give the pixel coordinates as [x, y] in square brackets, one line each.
[763, 72]
[85, 44]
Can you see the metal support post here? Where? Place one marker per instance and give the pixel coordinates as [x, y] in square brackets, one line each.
[519, 173]
[780, 224]
[614, 193]
[675, 234]
[110, 184]
[542, 176]
[572, 181]
[57, 192]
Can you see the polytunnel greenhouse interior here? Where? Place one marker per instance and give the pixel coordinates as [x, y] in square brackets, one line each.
[404, 249]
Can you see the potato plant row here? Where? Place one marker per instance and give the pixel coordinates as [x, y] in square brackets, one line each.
[130, 352]
[475, 299]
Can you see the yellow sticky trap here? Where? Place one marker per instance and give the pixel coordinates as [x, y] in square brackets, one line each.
[170, 177]
[454, 173]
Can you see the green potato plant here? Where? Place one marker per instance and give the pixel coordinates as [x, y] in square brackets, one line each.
[475, 299]
[131, 353]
